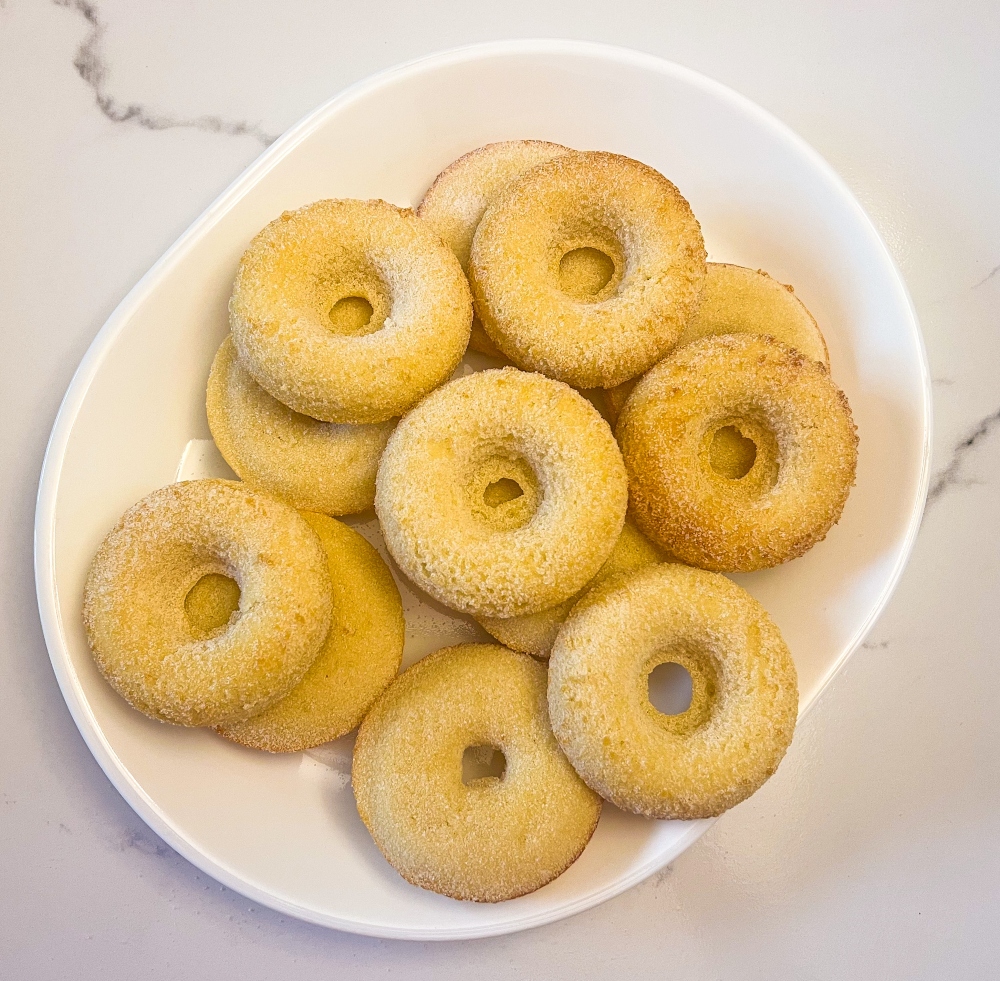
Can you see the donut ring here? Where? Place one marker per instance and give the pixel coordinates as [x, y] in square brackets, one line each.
[358, 660]
[460, 194]
[313, 466]
[502, 493]
[493, 838]
[294, 311]
[144, 641]
[577, 205]
[740, 453]
[739, 300]
[744, 694]
[536, 633]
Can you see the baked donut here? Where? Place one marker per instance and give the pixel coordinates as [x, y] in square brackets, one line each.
[314, 466]
[461, 193]
[502, 493]
[738, 300]
[361, 655]
[535, 633]
[569, 212]
[744, 700]
[350, 311]
[740, 452]
[175, 666]
[492, 838]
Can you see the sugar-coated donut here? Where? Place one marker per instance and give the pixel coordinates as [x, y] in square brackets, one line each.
[350, 311]
[502, 493]
[535, 633]
[314, 466]
[461, 193]
[495, 837]
[739, 300]
[561, 214]
[740, 452]
[744, 698]
[160, 657]
[361, 655]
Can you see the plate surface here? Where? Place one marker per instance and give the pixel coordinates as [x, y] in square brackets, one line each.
[284, 830]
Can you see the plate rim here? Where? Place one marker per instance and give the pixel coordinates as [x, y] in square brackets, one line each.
[49, 481]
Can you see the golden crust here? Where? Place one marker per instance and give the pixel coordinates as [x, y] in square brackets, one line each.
[134, 602]
[803, 436]
[495, 838]
[739, 300]
[473, 436]
[456, 201]
[303, 264]
[578, 203]
[536, 633]
[313, 466]
[744, 694]
[358, 660]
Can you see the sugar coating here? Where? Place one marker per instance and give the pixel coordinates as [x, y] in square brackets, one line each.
[134, 602]
[495, 838]
[358, 660]
[535, 633]
[529, 553]
[598, 200]
[460, 194]
[314, 466]
[739, 300]
[744, 693]
[804, 469]
[302, 263]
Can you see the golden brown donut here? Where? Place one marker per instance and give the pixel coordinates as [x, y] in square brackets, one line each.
[564, 213]
[461, 193]
[740, 452]
[314, 466]
[535, 633]
[176, 665]
[350, 311]
[358, 660]
[493, 838]
[744, 700]
[502, 493]
[738, 300]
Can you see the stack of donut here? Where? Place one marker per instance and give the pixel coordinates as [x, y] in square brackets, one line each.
[502, 493]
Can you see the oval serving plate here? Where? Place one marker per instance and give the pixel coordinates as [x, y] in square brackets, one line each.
[283, 830]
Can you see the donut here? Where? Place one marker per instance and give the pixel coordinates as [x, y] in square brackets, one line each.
[359, 658]
[744, 702]
[174, 663]
[461, 193]
[485, 839]
[313, 466]
[502, 493]
[738, 300]
[535, 633]
[570, 212]
[350, 311]
[740, 452]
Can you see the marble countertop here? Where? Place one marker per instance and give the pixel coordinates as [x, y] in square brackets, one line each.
[873, 853]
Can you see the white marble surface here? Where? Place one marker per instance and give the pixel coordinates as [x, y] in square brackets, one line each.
[874, 851]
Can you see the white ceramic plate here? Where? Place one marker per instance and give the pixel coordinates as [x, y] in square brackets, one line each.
[284, 830]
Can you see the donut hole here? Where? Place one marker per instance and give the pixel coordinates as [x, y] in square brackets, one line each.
[501, 491]
[670, 688]
[210, 604]
[732, 454]
[352, 315]
[505, 493]
[483, 763]
[680, 688]
[585, 272]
